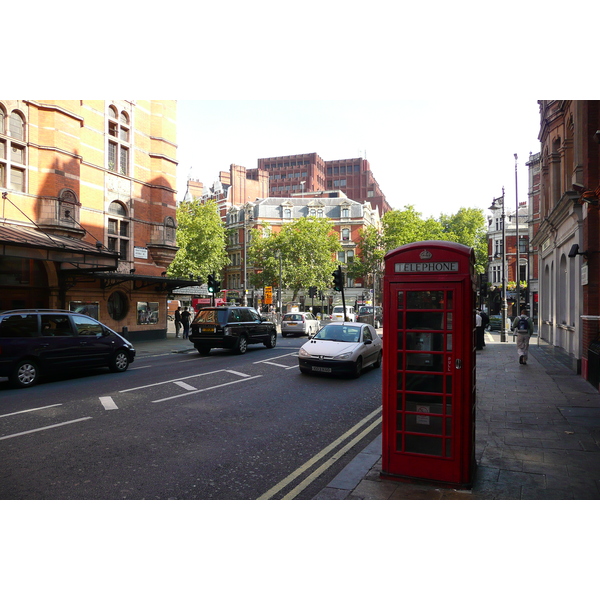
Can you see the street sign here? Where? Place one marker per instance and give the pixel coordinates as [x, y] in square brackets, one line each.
[268, 294]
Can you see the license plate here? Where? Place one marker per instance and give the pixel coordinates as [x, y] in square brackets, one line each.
[208, 330]
[322, 369]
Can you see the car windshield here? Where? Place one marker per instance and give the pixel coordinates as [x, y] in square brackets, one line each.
[211, 316]
[364, 310]
[339, 333]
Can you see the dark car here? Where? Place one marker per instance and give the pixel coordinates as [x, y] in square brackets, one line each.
[232, 327]
[373, 315]
[39, 341]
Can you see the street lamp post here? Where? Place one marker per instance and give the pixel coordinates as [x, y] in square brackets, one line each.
[495, 207]
[517, 245]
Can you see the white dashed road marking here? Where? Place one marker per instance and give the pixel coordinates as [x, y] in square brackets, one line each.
[108, 403]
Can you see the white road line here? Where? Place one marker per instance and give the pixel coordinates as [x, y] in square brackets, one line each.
[138, 368]
[302, 469]
[185, 386]
[30, 410]
[108, 403]
[141, 387]
[43, 428]
[214, 387]
[266, 362]
[237, 373]
[282, 356]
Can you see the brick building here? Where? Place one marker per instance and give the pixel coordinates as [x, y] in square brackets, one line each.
[299, 173]
[348, 217]
[568, 236]
[88, 209]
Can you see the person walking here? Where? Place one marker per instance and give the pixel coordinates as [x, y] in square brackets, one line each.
[523, 328]
[185, 322]
[177, 317]
[478, 331]
[485, 321]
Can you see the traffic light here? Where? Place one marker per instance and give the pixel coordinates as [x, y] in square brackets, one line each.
[211, 284]
[338, 279]
[312, 292]
[216, 286]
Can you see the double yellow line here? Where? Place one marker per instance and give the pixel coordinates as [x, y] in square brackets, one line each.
[305, 468]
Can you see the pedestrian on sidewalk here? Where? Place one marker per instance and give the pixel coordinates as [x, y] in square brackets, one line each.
[185, 321]
[478, 331]
[523, 328]
[177, 318]
[485, 321]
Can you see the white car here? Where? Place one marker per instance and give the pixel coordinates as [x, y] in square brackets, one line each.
[338, 314]
[299, 323]
[341, 348]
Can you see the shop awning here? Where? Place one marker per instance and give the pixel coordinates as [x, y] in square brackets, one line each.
[71, 253]
[160, 284]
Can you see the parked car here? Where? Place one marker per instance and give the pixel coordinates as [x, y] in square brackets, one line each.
[372, 315]
[341, 348]
[232, 327]
[338, 314]
[299, 323]
[39, 341]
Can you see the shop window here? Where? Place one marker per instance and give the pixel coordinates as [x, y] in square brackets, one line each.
[147, 313]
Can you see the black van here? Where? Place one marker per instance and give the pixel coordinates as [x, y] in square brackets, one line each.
[38, 341]
[232, 327]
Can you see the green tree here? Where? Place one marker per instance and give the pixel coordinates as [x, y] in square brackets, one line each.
[369, 259]
[201, 239]
[307, 248]
[468, 227]
[402, 227]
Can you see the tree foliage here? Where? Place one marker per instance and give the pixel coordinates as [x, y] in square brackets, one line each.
[466, 227]
[201, 239]
[368, 262]
[307, 248]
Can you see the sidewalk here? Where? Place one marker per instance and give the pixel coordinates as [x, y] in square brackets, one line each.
[537, 436]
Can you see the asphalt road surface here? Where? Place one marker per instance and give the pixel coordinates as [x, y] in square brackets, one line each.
[182, 426]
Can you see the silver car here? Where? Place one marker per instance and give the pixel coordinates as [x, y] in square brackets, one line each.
[341, 348]
[299, 323]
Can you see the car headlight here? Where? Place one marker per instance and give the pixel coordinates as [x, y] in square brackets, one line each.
[302, 352]
[343, 356]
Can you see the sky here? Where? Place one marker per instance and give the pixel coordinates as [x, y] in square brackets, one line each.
[438, 155]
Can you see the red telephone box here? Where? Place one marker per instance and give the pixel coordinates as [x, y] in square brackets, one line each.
[429, 363]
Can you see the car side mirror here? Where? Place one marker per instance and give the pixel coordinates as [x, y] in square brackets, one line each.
[367, 342]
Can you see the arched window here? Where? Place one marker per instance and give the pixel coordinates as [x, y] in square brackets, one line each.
[13, 151]
[118, 229]
[17, 126]
[118, 143]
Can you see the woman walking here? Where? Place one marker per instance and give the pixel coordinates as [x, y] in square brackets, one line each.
[523, 328]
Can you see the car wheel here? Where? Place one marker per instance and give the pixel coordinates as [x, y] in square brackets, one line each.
[377, 363]
[204, 350]
[119, 362]
[272, 340]
[358, 365]
[25, 374]
[242, 345]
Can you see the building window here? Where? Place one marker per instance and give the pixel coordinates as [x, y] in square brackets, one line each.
[345, 235]
[117, 306]
[497, 275]
[118, 143]
[118, 230]
[169, 229]
[13, 151]
[287, 213]
[345, 213]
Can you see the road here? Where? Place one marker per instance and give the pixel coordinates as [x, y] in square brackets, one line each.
[182, 426]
